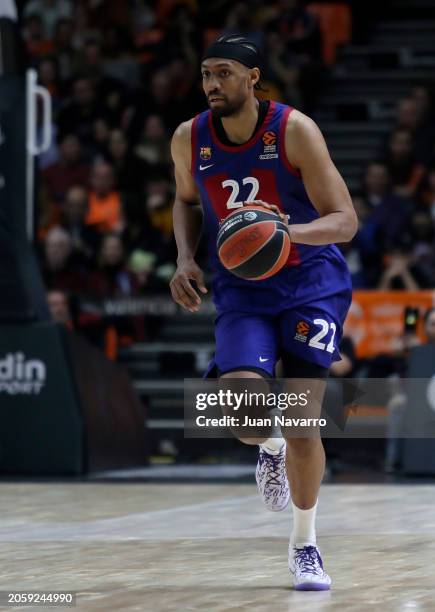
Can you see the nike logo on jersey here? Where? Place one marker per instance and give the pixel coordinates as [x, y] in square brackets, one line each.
[205, 167]
[263, 359]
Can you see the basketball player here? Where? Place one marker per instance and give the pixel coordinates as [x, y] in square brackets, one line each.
[242, 150]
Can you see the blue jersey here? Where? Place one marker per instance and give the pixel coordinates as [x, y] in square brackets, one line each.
[228, 176]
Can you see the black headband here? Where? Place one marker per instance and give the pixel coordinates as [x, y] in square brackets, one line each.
[244, 52]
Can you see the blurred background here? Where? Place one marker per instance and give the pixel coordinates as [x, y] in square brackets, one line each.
[87, 309]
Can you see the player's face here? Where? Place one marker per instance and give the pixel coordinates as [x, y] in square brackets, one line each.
[226, 84]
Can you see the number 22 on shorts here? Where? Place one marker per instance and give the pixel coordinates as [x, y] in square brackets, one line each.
[315, 341]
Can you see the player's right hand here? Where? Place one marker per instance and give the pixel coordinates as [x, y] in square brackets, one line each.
[181, 288]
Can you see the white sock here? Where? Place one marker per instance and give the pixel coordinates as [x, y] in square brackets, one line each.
[273, 446]
[304, 526]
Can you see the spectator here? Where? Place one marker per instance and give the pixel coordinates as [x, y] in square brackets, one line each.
[49, 12]
[398, 272]
[100, 138]
[119, 62]
[71, 169]
[390, 212]
[159, 205]
[60, 269]
[105, 210]
[74, 209]
[109, 90]
[422, 239]
[67, 56]
[58, 304]
[153, 146]
[48, 77]
[414, 116]
[400, 160]
[112, 278]
[37, 44]
[78, 116]
[131, 172]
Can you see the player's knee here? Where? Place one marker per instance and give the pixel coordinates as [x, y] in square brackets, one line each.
[251, 441]
[303, 447]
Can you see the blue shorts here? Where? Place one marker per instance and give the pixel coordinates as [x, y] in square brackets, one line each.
[311, 332]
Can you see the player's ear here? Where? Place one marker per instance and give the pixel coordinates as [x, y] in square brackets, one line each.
[254, 74]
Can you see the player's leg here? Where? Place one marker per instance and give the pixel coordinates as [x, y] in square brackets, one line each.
[310, 337]
[246, 347]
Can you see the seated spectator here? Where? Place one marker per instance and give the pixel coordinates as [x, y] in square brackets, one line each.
[61, 269]
[48, 77]
[401, 162]
[414, 116]
[112, 278]
[119, 62]
[58, 304]
[376, 184]
[390, 212]
[422, 240]
[153, 147]
[49, 12]
[67, 56]
[105, 210]
[100, 138]
[110, 91]
[131, 172]
[283, 68]
[71, 169]
[37, 45]
[74, 209]
[78, 116]
[159, 202]
[398, 271]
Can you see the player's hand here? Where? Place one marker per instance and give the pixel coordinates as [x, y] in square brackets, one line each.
[181, 288]
[271, 207]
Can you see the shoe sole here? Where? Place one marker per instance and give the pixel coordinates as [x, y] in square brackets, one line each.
[312, 586]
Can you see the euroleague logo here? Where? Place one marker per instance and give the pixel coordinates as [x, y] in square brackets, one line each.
[302, 331]
[269, 138]
[250, 215]
[269, 141]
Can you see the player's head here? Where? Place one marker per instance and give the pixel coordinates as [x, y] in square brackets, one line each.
[230, 73]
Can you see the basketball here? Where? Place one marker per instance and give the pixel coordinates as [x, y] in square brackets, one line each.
[253, 243]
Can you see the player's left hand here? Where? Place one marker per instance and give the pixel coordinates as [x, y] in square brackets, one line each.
[273, 207]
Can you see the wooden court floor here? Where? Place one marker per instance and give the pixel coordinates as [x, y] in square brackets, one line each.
[214, 547]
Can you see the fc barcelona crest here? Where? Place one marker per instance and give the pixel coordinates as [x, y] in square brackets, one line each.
[205, 153]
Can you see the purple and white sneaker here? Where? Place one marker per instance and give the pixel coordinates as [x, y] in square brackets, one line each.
[272, 480]
[305, 565]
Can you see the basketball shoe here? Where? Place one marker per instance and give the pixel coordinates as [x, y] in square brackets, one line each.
[305, 565]
[272, 480]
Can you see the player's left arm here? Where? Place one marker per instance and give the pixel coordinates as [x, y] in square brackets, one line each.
[307, 151]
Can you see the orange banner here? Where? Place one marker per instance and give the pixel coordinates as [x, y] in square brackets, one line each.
[376, 318]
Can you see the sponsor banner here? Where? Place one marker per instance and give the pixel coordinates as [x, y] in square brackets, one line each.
[42, 429]
[376, 318]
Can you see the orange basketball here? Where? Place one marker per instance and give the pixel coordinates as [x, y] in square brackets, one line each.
[253, 243]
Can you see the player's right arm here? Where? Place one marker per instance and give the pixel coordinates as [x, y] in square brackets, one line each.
[187, 214]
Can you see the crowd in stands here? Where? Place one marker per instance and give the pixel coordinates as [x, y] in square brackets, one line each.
[123, 75]
[395, 245]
